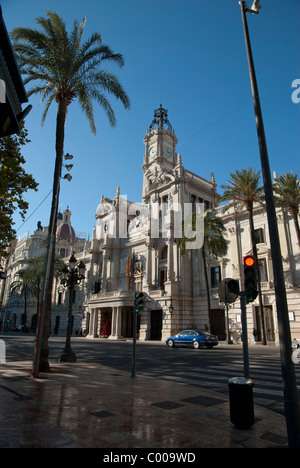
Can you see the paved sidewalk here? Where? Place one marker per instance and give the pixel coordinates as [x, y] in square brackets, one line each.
[94, 406]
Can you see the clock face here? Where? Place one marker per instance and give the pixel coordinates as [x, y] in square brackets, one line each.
[168, 152]
[152, 151]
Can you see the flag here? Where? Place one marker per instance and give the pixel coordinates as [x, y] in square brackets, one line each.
[132, 265]
[128, 265]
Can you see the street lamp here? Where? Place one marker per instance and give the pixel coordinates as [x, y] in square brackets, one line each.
[70, 278]
[288, 372]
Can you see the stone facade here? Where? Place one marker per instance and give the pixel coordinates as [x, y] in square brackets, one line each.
[144, 235]
[25, 248]
[239, 245]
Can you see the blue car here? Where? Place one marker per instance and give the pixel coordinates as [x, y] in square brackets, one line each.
[193, 338]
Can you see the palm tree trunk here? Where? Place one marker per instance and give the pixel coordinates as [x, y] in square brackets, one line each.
[260, 302]
[207, 288]
[60, 134]
[25, 307]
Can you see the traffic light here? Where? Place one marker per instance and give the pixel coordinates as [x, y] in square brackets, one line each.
[228, 290]
[250, 278]
[138, 302]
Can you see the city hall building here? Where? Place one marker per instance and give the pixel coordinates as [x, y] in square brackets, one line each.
[134, 247]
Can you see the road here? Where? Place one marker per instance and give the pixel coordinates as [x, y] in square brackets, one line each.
[203, 368]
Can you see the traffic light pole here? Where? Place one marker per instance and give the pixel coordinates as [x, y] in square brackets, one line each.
[134, 342]
[138, 307]
[243, 296]
[292, 412]
[228, 338]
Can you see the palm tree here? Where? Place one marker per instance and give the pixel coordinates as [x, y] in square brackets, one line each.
[286, 190]
[25, 287]
[214, 243]
[65, 68]
[35, 270]
[243, 191]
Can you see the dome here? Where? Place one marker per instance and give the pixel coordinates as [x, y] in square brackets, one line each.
[65, 232]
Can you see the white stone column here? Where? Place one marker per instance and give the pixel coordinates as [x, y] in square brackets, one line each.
[119, 322]
[170, 264]
[95, 324]
[104, 272]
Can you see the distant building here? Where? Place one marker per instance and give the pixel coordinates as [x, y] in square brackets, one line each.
[126, 256]
[231, 266]
[25, 248]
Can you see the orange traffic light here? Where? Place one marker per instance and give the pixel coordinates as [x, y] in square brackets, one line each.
[249, 261]
[250, 278]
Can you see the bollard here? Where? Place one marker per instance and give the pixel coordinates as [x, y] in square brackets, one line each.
[241, 402]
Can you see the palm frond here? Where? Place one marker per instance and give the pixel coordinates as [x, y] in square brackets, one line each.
[243, 188]
[61, 65]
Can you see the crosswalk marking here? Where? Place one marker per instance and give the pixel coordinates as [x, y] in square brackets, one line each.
[210, 383]
[256, 380]
[266, 375]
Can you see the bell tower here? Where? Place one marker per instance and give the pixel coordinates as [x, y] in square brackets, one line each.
[160, 155]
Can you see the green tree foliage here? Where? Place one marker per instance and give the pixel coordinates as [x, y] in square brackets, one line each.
[24, 286]
[14, 181]
[286, 191]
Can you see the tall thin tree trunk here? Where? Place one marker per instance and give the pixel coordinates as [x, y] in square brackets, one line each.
[25, 307]
[44, 365]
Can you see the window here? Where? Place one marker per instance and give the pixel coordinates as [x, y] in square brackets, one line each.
[59, 298]
[164, 253]
[162, 278]
[207, 205]
[215, 276]
[162, 268]
[193, 199]
[259, 236]
[263, 273]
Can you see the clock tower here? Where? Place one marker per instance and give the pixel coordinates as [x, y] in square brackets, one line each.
[160, 156]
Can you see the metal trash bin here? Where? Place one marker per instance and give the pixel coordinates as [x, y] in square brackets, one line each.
[241, 402]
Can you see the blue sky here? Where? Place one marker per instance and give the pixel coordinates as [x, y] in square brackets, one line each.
[188, 55]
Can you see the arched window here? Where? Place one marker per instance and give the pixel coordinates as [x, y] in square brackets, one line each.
[162, 267]
[164, 253]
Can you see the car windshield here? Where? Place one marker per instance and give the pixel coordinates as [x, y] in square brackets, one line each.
[203, 332]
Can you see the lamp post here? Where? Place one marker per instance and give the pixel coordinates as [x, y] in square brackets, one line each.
[288, 372]
[70, 278]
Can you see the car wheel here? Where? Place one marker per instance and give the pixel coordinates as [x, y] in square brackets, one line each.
[196, 344]
[170, 343]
